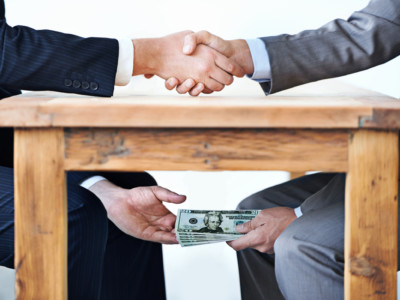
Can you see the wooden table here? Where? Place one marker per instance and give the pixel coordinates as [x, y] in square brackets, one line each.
[323, 126]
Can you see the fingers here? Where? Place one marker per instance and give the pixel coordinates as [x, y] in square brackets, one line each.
[214, 85]
[229, 66]
[164, 237]
[165, 195]
[148, 76]
[221, 77]
[166, 222]
[250, 240]
[257, 239]
[171, 83]
[207, 91]
[186, 86]
[245, 227]
[197, 89]
[258, 221]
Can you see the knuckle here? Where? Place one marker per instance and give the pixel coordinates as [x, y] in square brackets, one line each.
[180, 90]
[208, 54]
[204, 33]
[169, 86]
[231, 68]
[193, 93]
[219, 88]
[205, 68]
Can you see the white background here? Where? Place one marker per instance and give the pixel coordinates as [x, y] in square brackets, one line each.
[204, 272]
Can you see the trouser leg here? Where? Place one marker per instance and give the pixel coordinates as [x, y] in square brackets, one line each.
[309, 254]
[95, 246]
[257, 270]
[133, 268]
[6, 217]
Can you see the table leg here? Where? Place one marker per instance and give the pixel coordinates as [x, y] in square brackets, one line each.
[371, 215]
[40, 214]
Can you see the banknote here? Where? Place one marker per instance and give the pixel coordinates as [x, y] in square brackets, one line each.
[198, 227]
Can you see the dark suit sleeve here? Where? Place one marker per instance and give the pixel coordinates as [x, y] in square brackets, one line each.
[368, 38]
[49, 60]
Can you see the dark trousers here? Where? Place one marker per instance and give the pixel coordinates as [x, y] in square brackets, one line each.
[103, 262]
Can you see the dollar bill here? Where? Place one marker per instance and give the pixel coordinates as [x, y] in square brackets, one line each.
[198, 227]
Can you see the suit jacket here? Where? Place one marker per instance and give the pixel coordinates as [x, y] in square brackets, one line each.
[49, 60]
[368, 38]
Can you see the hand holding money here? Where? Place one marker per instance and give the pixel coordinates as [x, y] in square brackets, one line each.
[198, 227]
[262, 232]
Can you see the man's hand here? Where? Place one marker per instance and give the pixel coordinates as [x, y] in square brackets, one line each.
[164, 58]
[264, 229]
[140, 212]
[235, 50]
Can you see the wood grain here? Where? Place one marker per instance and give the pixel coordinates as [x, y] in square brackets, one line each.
[205, 149]
[325, 104]
[40, 215]
[162, 112]
[371, 216]
[293, 175]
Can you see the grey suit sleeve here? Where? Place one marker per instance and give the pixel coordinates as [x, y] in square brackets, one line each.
[368, 38]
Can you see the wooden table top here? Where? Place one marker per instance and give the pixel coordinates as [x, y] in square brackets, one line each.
[325, 104]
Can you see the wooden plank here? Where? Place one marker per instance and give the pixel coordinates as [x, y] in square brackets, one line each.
[293, 175]
[23, 111]
[206, 149]
[388, 118]
[371, 216]
[40, 215]
[242, 112]
[153, 111]
[324, 104]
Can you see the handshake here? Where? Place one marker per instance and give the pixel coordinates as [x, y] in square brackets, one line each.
[192, 63]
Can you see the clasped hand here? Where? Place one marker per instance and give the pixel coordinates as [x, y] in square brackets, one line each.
[192, 62]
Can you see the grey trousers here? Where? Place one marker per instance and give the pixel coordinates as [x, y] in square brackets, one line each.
[309, 254]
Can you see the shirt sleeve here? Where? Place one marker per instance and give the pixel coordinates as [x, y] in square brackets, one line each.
[125, 62]
[259, 55]
[298, 212]
[87, 183]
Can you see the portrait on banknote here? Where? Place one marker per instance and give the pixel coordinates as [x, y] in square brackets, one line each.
[212, 221]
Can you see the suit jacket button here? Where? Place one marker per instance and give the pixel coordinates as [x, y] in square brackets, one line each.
[67, 82]
[76, 84]
[85, 85]
[94, 86]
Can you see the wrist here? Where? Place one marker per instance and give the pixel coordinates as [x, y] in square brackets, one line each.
[146, 58]
[243, 55]
[107, 192]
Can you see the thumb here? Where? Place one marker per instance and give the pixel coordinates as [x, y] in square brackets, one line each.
[166, 195]
[204, 37]
[247, 227]
[189, 43]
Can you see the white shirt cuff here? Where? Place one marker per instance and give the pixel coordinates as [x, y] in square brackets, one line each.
[91, 181]
[298, 212]
[259, 55]
[125, 62]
